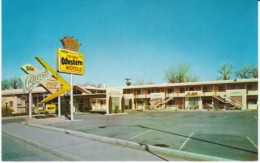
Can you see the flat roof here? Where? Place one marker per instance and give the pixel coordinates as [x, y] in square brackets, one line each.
[191, 83]
[42, 90]
[20, 91]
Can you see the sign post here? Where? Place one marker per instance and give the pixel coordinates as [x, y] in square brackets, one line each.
[59, 110]
[30, 105]
[70, 61]
[71, 98]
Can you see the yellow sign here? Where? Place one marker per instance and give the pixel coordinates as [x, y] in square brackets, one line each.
[51, 108]
[70, 62]
[65, 85]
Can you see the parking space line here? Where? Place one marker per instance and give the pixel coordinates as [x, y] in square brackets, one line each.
[184, 143]
[251, 141]
[140, 134]
[255, 117]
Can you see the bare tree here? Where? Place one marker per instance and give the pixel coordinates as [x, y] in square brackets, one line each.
[15, 83]
[244, 72]
[247, 72]
[225, 71]
[139, 81]
[149, 82]
[90, 83]
[5, 85]
[255, 72]
[180, 74]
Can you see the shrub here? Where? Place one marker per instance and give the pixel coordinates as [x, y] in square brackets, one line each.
[6, 111]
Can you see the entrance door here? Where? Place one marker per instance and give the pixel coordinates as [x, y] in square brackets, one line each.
[193, 102]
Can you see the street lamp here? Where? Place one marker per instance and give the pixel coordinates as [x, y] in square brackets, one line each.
[6, 108]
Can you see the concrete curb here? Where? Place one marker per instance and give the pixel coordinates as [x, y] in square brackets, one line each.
[44, 148]
[134, 145]
[14, 117]
[44, 121]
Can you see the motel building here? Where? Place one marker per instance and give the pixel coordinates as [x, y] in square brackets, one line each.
[239, 94]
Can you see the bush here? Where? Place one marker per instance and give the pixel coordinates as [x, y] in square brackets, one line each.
[6, 111]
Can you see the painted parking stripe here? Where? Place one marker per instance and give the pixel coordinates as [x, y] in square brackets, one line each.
[140, 134]
[186, 141]
[255, 117]
[251, 141]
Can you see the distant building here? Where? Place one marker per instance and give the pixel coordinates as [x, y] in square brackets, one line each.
[241, 94]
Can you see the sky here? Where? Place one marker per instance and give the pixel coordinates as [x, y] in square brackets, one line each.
[136, 39]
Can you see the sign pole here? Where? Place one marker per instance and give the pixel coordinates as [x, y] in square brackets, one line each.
[59, 107]
[71, 97]
[30, 105]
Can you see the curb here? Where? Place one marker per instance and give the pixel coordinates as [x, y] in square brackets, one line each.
[145, 147]
[14, 117]
[44, 148]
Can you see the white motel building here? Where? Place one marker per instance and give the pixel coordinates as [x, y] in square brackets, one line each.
[240, 94]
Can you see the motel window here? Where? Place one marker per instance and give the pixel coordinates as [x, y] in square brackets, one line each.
[150, 91]
[252, 101]
[138, 91]
[172, 102]
[35, 99]
[191, 89]
[170, 90]
[76, 92]
[207, 101]
[182, 90]
[205, 89]
[231, 86]
[11, 103]
[251, 87]
[55, 100]
[221, 88]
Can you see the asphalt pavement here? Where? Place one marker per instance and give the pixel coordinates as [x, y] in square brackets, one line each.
[73, 148]
[230, 135]
[16, 150]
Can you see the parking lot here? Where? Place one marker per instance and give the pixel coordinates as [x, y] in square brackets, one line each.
[232, 135]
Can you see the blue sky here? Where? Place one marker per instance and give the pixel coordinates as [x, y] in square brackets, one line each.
[138, 39]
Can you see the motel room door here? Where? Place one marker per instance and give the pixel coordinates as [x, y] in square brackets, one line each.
[193, 102]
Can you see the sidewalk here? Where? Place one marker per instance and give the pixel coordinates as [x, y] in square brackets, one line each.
[73, 148]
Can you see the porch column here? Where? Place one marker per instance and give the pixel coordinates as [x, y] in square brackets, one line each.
[200, 103]
[120, 103]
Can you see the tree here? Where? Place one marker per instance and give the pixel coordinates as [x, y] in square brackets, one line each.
[255, 72]
[247, 72]
[180, 74]
[128, 83]
[110, 105]
[99, 85]
[244, 72]
[225, 71]
[15, 83]
[5, 85]
[139, 81]
[90, 83]
[123, 104]
[149, 82]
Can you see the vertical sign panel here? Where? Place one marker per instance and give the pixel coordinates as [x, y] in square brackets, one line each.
[70, 62]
